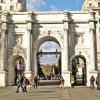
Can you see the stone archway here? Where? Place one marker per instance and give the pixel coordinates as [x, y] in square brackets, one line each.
[49, 57]
[36, 49]
[60, 37]
[79, 69]
[12, 69]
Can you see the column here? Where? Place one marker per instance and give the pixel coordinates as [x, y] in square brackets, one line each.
[3, 50]
[65, 56]
[35, 69]
[93, 53]
[28, 65]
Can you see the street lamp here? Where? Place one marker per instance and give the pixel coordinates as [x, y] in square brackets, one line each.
[41, 53]
[56, 53]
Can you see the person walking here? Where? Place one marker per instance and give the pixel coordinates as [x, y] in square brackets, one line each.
[25, 83]
[92, 81]
[97, 83]
[19, 83]
[35, 82]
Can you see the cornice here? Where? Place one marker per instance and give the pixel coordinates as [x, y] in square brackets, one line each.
[17, 22]
[61, 22]
[79, 22]
[32, 12]
[29, 21]
[48, 22]
[4, 21]
[79, 12]
[92, 20]
[45, 13]
[49, 12]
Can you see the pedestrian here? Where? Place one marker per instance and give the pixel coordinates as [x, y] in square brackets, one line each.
[19, 83]
[62, 81]
[97, 83]
[35, 83]
[25, 83]
[92, 81]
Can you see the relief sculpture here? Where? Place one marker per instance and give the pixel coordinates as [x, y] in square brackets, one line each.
[19, 40]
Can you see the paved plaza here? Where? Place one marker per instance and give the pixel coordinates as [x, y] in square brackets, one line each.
[53, 92]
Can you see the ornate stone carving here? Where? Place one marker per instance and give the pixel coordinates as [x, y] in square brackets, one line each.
[2, 37]
[4, 26]
[66, 28]
[20, 51]
[59, 34]
[29, 30]
[79, 40]
[19, 40]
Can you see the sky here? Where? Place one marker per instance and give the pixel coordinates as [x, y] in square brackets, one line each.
[54, 5]
[49, 46]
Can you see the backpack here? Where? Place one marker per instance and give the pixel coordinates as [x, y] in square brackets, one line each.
[92, 79]
[19, 80]
[26, 81]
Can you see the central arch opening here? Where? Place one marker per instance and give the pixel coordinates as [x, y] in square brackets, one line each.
[49, 62]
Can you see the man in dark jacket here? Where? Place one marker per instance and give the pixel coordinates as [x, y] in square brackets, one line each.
[25, 83]
[19, 83]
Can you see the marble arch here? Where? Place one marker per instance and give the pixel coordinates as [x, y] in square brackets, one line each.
[31, 28]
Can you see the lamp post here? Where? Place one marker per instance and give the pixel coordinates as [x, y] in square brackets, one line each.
[41, 53]
[56, 53]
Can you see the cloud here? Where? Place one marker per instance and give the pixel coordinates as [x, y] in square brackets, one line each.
[35, 4]
[49, 59]
[54, 7]
[50, 47]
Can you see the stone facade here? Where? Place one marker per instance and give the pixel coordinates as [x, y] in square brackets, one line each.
[22, 33]
[94, 5]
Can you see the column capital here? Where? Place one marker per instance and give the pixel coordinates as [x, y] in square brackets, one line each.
[92, 13]
[91, 29]
[66, 28]
[29, 30]
[4, 30]
[66, 19]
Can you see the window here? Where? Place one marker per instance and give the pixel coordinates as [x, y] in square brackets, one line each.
[98, 4]
[0, 7]
[11, 7]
